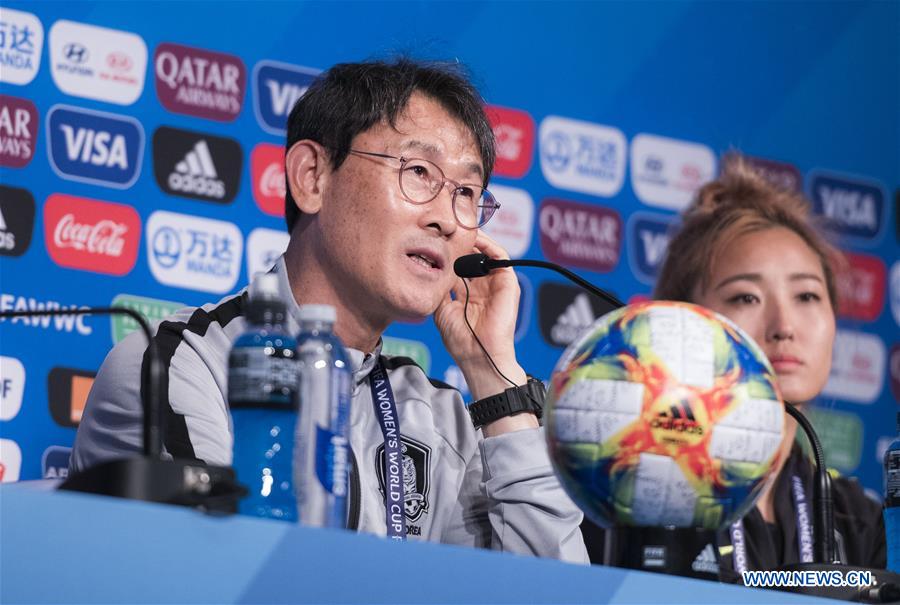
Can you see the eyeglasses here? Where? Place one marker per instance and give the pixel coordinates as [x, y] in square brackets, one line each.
[421, 181]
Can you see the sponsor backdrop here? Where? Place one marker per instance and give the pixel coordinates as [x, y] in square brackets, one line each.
[141, 151]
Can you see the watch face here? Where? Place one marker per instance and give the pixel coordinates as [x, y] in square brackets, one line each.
[536, 389]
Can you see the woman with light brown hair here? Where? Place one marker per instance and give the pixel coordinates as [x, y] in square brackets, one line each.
[750, 251]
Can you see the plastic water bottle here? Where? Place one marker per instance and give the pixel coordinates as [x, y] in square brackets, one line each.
[892, 502]
[323, 462]
[262, 386]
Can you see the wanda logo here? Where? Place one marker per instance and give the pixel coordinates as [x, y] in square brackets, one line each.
[118, 61]
[90, 235]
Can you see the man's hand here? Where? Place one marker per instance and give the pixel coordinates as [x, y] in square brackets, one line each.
[492, 309]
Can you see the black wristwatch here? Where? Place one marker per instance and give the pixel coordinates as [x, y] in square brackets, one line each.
[514, 400]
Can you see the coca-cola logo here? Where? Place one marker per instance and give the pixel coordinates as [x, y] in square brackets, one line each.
[91, 235]
[271, 183]
[861, 287]
[514, 133]
[267, 172]
[105, 237]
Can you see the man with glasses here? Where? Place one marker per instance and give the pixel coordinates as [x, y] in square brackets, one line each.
[386, 166]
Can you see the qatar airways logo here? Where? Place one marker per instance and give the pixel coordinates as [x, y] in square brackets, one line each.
[18, 131]
[199, 82]
[580, 235]
[267, 173]
[91, 235]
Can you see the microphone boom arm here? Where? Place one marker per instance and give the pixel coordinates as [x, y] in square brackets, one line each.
[152, 412]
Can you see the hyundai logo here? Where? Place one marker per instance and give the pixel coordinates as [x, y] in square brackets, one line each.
[76, 53]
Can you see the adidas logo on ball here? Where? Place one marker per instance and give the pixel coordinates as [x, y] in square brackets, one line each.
[679, 419]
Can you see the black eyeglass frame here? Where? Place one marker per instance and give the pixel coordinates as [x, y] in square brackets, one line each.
[444, 180]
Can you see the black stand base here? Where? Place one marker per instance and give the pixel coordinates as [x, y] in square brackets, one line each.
[210, 488]
[677, 551]
[885, 586]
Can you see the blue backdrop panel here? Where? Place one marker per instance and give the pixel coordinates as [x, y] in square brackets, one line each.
[144, 137]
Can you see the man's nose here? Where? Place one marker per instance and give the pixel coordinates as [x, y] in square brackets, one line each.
[439, 211]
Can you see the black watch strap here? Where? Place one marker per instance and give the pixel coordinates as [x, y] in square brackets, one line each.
[514, 400]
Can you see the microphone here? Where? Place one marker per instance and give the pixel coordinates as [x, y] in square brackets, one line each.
[150, 476]
[479, 265]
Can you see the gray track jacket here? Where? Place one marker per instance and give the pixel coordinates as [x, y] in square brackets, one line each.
[497, 493]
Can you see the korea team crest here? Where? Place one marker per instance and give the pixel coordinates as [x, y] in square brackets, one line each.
[416, 471]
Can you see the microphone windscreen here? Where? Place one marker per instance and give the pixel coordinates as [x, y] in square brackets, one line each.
[471, 265]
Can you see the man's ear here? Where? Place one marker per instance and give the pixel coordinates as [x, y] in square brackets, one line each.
[307, 168]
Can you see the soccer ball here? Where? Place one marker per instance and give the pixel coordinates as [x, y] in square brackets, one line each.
[664, 414]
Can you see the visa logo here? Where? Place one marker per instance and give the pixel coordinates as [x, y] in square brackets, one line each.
[850, 208]
[648, 241]
[278, 86]
[95, 147]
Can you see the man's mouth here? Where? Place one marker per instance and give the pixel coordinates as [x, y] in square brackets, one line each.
[423, 260]
[427, 258]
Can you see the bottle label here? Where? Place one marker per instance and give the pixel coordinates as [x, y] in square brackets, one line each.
[260, 375]
[332, 462]
[892, 478]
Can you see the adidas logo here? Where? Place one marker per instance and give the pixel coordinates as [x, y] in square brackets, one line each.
[197, 174]
[577, 318]
[706, 561]
[7, 238]
[677, 418]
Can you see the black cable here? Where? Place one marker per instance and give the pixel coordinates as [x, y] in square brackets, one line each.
[488, 355]
[475, 336]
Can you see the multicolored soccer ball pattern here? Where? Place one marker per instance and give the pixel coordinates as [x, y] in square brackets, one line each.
[664, 414]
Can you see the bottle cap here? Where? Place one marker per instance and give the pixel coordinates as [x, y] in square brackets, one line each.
[265, 304]
[325, 313]
[264, 286]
